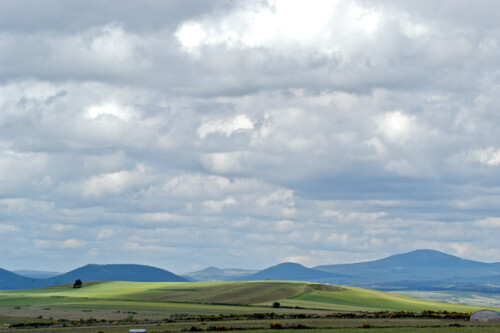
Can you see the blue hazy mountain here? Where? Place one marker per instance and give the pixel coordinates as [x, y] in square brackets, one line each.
[289, 271]
[36, 274]
[218, 274]
[9, 280]
[416, 270]
[118, 272]
[418, 265]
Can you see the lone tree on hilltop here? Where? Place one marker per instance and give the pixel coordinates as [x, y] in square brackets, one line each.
[78, 284]
[276, 305]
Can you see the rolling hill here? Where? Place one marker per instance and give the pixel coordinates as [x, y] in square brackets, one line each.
[91, 272]
[217, 274]
[417, 270]
[220, 297]
[117, 272]
[290, 272]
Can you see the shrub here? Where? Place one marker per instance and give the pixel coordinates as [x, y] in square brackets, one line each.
[276, 326]
[219, 328]
[129, 318]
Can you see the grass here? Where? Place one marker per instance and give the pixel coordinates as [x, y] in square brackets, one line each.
[317, 325]
[226, 296]
[159, 300]
[356, 299]
[458, 297]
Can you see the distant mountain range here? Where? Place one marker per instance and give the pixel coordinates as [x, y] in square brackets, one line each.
[416, 270]
[417, 265]
[217, 274]
[139, 273]
[36, 274]
[9, 280]
[420, 270]
[424, 270]
[291, 272]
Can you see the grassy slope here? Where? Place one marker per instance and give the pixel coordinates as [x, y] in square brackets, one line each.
[201, 297]
[356, 299]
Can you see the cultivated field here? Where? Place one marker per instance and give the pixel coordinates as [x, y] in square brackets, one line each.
[175, 307]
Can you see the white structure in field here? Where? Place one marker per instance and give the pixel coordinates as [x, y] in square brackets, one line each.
[137, 330]
[485, 315]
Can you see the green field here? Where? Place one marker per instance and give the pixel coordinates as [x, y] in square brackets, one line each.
[140, 302]
[223, 297]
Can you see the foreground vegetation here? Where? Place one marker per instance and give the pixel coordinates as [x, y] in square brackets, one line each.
[218, 306]
[292, 324]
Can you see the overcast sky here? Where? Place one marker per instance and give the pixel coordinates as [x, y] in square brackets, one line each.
[186, 134]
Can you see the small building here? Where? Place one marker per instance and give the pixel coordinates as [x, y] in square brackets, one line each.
[485, 315]
[137, 330]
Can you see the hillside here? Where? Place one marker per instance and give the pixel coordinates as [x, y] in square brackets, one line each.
[419, 265]
[417, 270]
[92, 272]
[290, 272]
[220, 297]
[36, 274]
[117, 272]
[217, 274]
[9, 280]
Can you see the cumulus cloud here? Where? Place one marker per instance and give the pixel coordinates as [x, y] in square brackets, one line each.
[257, 131]
[226, 127]
[489, 156]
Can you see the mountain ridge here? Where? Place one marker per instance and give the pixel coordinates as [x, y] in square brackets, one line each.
[418, 269]
[289, 271]
[419, 264]
[91, 272]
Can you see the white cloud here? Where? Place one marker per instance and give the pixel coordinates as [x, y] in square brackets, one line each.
[191, 35]
[353, 217]
[73, 244]
[8, 229]
[57, 227]
[222, 163]
[112, 183]
[216, 206]
[278, 203]
[489, 222]
[111, 109]
[226, 127]
[105, 234]
[489, 156]
[396, 127]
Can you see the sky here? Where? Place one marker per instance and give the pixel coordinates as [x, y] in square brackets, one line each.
[241, 134]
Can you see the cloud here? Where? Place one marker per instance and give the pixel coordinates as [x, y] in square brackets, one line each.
[355, 217]
[105, 234]
[490, 222]
[489, 156]
[238, 123]
[246, 133]
[112, 183]
[8, 229]
[396, 127]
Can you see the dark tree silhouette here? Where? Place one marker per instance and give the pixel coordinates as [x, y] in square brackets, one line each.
[78, 284]
[276, 305]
